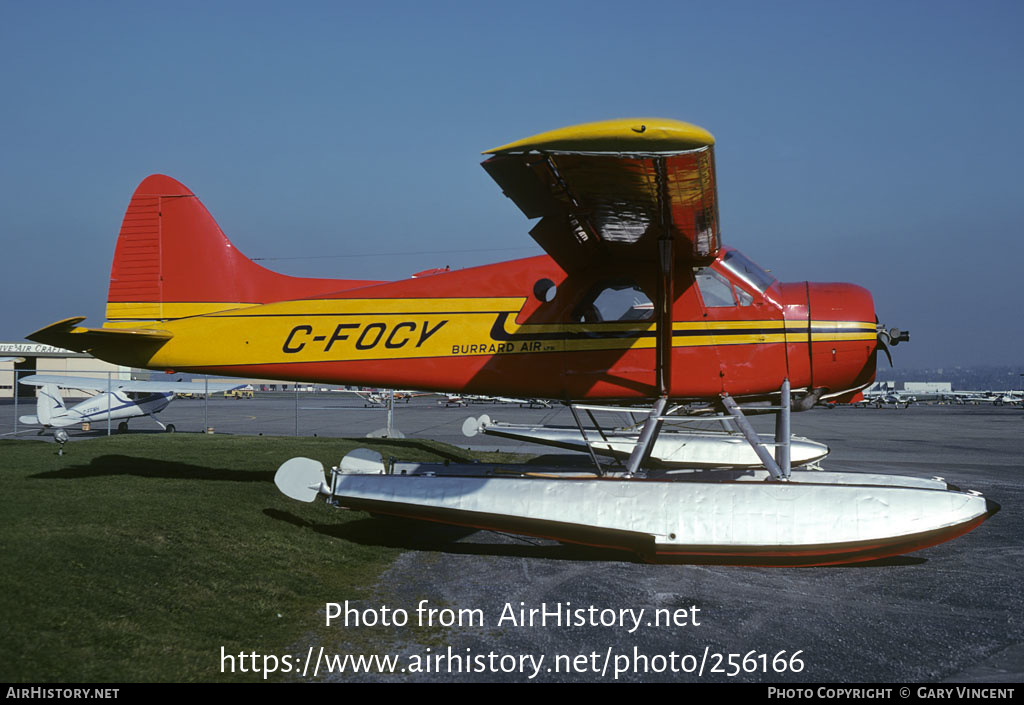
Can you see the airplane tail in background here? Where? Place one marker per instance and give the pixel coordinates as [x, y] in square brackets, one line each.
[49, 404]
[172, 260]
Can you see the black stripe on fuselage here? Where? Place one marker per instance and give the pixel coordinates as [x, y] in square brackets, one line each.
[499, 334]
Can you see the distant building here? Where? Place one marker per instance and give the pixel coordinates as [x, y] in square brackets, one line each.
[927, 387]
[23, 359]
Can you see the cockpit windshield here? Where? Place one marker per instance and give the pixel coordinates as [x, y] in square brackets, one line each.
[737, 263]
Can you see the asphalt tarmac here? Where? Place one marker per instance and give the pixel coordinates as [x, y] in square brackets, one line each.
[949, 613]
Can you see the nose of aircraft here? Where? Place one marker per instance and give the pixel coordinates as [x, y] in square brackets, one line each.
[832, 334]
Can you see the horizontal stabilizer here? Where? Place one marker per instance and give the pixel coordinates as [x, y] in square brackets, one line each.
[125, 345]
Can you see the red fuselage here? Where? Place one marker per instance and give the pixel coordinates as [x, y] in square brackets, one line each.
[735, 330]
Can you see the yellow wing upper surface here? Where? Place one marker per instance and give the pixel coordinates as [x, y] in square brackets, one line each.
[629, 135]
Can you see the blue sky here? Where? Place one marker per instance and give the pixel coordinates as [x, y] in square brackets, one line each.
[871, 142]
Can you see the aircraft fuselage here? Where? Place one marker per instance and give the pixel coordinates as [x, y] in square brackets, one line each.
[500, 329]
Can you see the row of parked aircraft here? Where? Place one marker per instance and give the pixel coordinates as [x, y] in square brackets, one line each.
[1009, 397]
[882, 394]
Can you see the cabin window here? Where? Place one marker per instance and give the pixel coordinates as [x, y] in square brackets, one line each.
[714, 288]
[619, 300]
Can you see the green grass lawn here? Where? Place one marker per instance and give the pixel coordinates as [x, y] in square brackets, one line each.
[136, 558]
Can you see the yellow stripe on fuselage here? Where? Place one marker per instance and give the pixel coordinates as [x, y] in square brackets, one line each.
[323, 330]
[328, 330]
[120, 315]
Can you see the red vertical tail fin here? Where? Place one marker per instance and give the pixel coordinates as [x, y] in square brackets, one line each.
[172, 260]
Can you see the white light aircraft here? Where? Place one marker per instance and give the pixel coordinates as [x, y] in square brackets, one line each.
[885, 394]
[118, 400]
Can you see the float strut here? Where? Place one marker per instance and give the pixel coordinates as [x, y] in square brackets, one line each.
[782, 433]
[583, 432]
[648, 436]
[752, 438]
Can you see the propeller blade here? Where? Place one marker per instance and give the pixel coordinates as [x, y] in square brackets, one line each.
[885, 349]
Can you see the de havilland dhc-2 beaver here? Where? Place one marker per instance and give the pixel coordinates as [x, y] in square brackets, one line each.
[637, 302]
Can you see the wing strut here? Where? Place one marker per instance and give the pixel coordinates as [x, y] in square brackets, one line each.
[663, 354]
[663, 313]
[666, 265]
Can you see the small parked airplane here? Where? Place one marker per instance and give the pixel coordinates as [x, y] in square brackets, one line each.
[453, 400]
[882, 394]
[118, 400]
[1014, 398]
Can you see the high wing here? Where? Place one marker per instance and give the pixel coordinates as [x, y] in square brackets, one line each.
[640, 190]
[103, 385]
[613, 189]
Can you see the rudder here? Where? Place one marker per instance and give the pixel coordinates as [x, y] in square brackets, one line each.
[49, 403]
